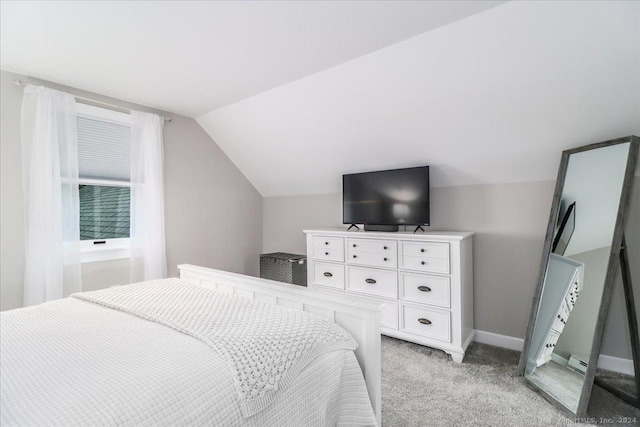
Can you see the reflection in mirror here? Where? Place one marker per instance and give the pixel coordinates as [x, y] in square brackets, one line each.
[565, 325]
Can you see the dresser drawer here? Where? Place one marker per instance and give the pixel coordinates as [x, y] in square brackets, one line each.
[371, 281]
[328, 248]
[331, 275]
[426, 264]
[558, 323]
[328, 242]
[428, 249]
[376, 253]
[423, 289]
[427, 322]
[378, 246]
[388, 312]
[374, 259]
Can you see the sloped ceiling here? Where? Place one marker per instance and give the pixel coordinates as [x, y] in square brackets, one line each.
[191, 57]
[492, 98]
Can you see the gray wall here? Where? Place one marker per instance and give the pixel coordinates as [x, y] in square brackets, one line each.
[285, 217]
[510, 221]
[616, 340]
[11, 199]
[213, 214]
[99, 275]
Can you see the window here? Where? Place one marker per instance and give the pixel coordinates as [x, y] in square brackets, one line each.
[104, 212]
[104, 138]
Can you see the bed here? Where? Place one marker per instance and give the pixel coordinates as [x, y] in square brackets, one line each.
[167, 353]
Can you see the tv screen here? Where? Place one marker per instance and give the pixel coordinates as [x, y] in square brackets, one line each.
[392, 197]
[565, 231]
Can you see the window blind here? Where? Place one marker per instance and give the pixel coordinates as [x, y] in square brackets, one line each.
[104, 212]
[103, 149]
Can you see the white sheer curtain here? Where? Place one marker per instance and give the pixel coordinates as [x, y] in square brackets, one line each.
[51, 203]
[148, 254]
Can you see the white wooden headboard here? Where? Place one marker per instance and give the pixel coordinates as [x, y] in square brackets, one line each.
[360, 319]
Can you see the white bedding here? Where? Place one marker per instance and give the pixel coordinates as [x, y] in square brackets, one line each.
[72, 362]
[265, 345]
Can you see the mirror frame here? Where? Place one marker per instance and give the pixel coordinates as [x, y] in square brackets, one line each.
[612, 265]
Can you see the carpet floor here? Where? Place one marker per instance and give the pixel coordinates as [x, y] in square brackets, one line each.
[422, 386]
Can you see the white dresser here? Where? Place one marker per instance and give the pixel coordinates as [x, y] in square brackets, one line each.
[424, 280]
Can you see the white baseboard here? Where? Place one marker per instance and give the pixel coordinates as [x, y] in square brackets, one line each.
[616, 364]
[559, 360]
[504, 341]
[610, 363]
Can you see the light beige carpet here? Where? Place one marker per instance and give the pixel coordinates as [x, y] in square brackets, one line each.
[423, 387]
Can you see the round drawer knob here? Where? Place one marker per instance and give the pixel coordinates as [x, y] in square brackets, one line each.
[327, 274]
[423, 263]
[384, 248]
[326, 243]
[354, 245]
[424, 321]
[326, 253]
[386, 259]
[355, 256]
[421, 250]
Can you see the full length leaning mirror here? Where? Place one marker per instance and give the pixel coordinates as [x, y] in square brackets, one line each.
[579, 263]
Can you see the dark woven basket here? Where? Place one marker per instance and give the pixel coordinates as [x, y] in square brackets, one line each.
[284, 267]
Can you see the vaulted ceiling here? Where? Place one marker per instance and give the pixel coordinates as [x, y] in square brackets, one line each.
[298, 93]
[192, 57]
[493, 98]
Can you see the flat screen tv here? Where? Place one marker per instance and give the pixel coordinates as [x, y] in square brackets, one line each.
[386, 198]
[565, 231]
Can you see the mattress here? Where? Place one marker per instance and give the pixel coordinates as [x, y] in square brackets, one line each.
[73, 362]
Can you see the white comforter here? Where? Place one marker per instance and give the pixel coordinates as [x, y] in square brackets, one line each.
[72, 362]
[265, 345]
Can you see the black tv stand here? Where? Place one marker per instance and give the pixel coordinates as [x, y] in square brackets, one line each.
[387, 228]
[353, 225]
[419, 227]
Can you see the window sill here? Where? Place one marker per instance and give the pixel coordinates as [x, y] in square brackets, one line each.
[113, 250]
[100, 255]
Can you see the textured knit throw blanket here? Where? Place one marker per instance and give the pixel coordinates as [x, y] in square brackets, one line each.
[264, 345]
